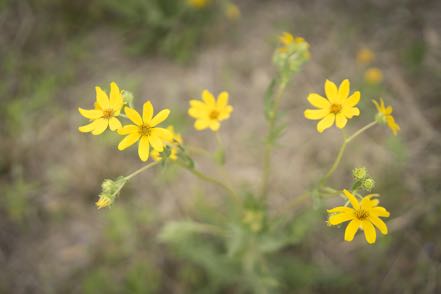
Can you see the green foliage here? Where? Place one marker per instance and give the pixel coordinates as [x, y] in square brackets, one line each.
[171, 27]
[16, 199]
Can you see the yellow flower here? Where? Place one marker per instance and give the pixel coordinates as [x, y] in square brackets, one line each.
[254, 219]
[232, 12]
[385, 116]
[144, 130]
[373, 75]
[365, 56]
[364, 214]
[209, 112]
[105, 113]
[288, 39]
[197, 3]
[173, 143]
[337, 107]
[103, 202]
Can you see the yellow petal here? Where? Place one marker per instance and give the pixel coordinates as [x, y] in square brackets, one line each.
[156, 143]
[325, 122]
[340, 120]
[101, 98]
[128, 141]
[353, 99]
[201, 124]
[222, 100]
[352, 199]
[163, 134]
[331, 91]
[343, 90]
[379, 223]
[351, 229]
[197, 104]
[225, 112]
[208, 98]
[380, 211]
[316, 114]
[90, 114]
[369, 231]
[160, 117]
[88, 128]
[367, 201]
[340, 218]
[100, 126]
[133, 115]
[214, 125]
[116, 100]
[197, 113]
[318, 101]
[340, 209]
[114, 124]
[392, 124]
[128, 129]
[144, 148]
[147, 111]
[376, 105]
[350, 112]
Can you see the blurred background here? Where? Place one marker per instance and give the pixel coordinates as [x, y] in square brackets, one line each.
[54, 52]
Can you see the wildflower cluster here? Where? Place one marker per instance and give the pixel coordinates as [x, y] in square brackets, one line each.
[249, 229]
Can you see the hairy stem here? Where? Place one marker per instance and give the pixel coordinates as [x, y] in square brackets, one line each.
[269, 144]
[342, 150]
[144, 168]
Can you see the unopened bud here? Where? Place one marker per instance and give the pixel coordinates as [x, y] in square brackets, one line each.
[359, 173]
[368, 184]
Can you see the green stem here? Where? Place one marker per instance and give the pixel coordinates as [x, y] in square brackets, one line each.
[269, 144]
[342, 150]
[135, 173]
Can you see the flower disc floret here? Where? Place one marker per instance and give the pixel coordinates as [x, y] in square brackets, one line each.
[337, 107]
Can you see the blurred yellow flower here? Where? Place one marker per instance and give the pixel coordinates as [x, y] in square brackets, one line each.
[103, 202]
[209, 112]
[144, 130]
[385, 116]
[232, 12]
[105, 113]
[373, 75]
[254, 219]
[364, 214]
[288, 39]
[173, 143]
[365, 56]
[198, 3]
[337, 106]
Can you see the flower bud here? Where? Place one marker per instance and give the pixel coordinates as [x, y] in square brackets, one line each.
[359, 173]
[104, 201]
[110, 190]
[368, 184]
[127, 97]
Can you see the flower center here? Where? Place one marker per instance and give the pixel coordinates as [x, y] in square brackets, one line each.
[335, 108]
[145, 130]
[108, 113]
[361, 214]
[214, 114]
